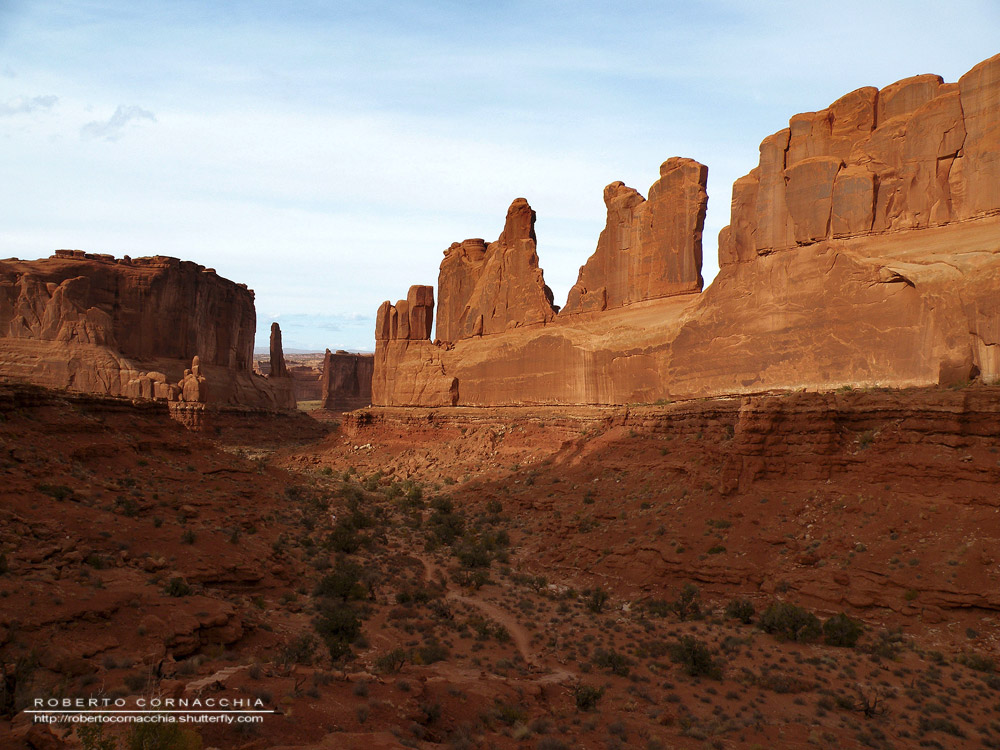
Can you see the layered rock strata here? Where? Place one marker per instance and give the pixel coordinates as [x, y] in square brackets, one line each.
[864, 249]
[128, 327]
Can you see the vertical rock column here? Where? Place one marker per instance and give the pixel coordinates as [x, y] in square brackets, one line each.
[408, 368]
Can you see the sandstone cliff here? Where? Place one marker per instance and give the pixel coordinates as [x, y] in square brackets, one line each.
[862, 250]
[128, 327]
[408, 367]
[490, 289]
[347, 380]
[649, 248]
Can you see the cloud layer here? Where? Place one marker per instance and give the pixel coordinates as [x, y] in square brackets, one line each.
[114, 128]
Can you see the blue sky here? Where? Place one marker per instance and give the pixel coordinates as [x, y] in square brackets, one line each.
[326, 153]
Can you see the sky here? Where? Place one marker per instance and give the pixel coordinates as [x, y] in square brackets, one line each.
[326, 153]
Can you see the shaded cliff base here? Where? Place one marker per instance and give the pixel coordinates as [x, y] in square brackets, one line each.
[139, 558]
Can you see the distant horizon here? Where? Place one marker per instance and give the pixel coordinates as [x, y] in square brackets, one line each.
[326, 155]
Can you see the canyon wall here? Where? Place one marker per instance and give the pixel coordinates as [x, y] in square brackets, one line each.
[129, 327]
[862, 250]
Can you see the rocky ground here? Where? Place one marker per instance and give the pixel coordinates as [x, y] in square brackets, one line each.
[798, 571]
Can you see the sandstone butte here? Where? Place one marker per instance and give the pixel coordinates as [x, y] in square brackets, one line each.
[346, 383]
[154, 328]
[863, 250]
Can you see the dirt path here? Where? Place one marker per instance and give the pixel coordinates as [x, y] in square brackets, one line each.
[518, 633]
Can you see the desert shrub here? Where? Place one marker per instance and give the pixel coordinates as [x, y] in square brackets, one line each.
[177, 587]
[789, 622]
[391, 661]
[658, 607]
[55, 491]
[939, 724]
[695, 657]
[343, 583]
[473, 555]
[92, 738]
[344, 537]
[339, 626]
[299, 650]
[886, 644]
[741, 609]
[587, 696]
[612, 661]
[597, 599]
[687, 605]
[162, 736]
[841, 630]
[978, 662]
[445, 525]
[430, 653]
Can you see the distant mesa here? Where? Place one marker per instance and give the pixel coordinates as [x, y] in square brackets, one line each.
[862, 250]
[156, 328]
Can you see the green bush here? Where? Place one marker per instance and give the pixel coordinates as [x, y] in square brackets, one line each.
[55, 491]
[391, 661]
[299, 651]
[695, 657]
[344, 538]
[612, 661]
[741, 609]
[841, 630]
[162, 736]
[587, 696]
[177, 587]
[596, 600]
[687, 605]
[790, 622]
[343, 583]
[339, 626]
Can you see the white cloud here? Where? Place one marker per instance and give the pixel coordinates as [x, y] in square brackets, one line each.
[114, 128]
[27, 104]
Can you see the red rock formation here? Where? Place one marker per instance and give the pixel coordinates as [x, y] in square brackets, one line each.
[278, 375]
[127, 327]
[347, 380]
[862, 250]
[278, 367]
[487, 290]
[407, 365]
[916, 154]
[649, 248]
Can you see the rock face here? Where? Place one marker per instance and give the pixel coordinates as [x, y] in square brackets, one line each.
[862, 250]
[407, 366]
[491, 289]
[649, 248]
[347, 380]
[919, 153]
[128, 327]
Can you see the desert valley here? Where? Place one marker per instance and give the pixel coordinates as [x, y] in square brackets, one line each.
[762, 514]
